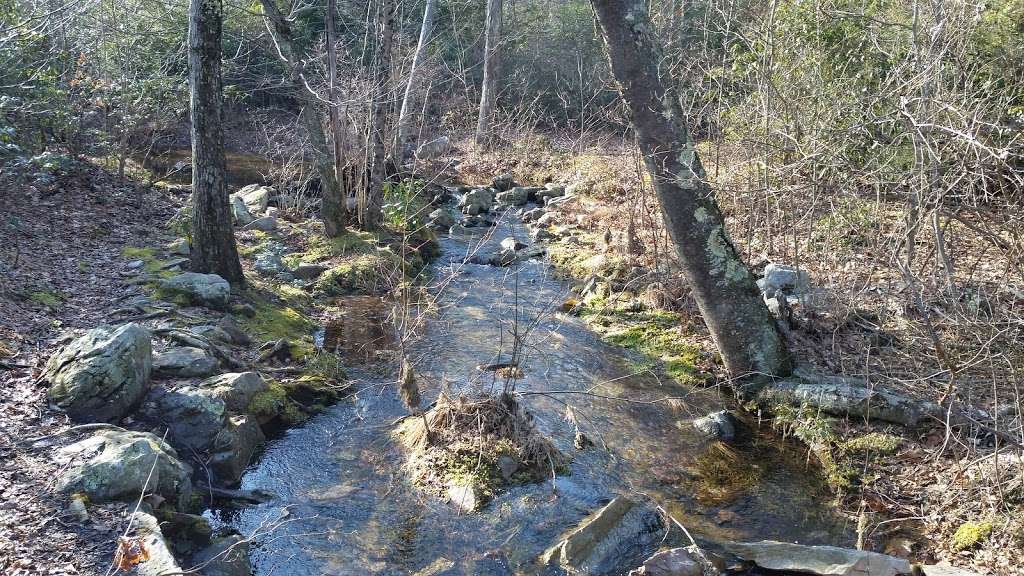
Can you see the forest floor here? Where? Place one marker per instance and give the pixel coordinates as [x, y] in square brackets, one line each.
[62, 269]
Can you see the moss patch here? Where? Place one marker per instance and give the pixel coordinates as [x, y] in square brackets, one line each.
[372, 273]
[151, 264]
[970, 534]
[46, 298]
[656, 334]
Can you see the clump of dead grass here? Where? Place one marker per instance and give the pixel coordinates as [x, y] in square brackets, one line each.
[486, 442]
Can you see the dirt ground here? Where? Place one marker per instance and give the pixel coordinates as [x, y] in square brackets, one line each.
[61, 268]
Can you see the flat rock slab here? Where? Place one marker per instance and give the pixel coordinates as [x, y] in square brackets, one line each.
[603, 540]
[822, 560]
[184, 362]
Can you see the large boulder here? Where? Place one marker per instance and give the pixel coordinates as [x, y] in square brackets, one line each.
[233, 448]
[160, 560]
[433, 149]
[791, 281]
[227, 556]
[821, 560]
[598, 545]
[193, 417]
[184, 362]
[550, 191]
[503, 182]
[477, 201]
[240, 212]
[116, 465]
[102, 375]
[236, 390]
[442, 218]
[514, 197]
[256, 197]
[208, 290]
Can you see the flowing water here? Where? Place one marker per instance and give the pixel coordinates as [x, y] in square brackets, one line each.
[344, 506]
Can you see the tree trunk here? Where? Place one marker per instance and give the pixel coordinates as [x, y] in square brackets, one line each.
[213, 239]
[332, 201]
[743, 329]
[405, 116]
[334, 210]
[489, 90]
[372, 198]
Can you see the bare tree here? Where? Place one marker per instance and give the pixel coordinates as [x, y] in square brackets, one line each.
[213, 240]
[405, 116]
[332, 205]
[371, 198]
[492, 61]
[729, 300]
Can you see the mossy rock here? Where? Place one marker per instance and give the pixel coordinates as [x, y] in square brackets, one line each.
[366, 274]
[151, 263]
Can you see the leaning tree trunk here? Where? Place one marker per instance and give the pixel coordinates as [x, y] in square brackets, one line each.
[371, 199]
[213, 239]
[332, 200]
[729, 300]
[405, 116]
[489, 90]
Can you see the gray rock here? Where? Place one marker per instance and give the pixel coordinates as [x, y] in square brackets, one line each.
[945, 570]
[193, 417]
[239, 212]
[184, 362]
[442, 218]
[180, 247]
[822, 560]
[309, 271]
[161, 561]
[779, 277]
[102, 375]
[476, 222]
[211, 332]
[434, 148]
[547, 219]
[265, 224]
[532, 215]
[233, 448]
[236, 390]
[597, 545]
[674, 562]
[238, 335]
[558, 201]
[269, 264]
[717, 425]
[503, 182]
[135, 264]
[256, 197]
[115, 465]
[541, 235]
[476, 201]
[531, 252]
[227, 556]
[464, 496]
[208, 290]
[550, 191]
[841, 396]
[513, 197]
[511, 244]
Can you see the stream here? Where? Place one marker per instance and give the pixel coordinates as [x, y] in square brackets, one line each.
[343, 504]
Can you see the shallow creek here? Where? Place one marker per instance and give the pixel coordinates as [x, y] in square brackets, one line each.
[343, 505]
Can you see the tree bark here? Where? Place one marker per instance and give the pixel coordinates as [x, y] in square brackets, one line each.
[372, 198]
[405, 115]
[213, 239]
[492, 62]
[742, 327]
[332, 200]
[335, 210]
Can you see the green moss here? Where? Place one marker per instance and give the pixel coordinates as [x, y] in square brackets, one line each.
[276, 321]
[365, 274]
[151, 264]
[970, 534]
[48, 299]
[274, 405]
[877, 443]
[654, 333]
[320, 247]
